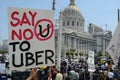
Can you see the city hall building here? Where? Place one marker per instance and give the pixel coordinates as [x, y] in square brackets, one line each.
[74, 36]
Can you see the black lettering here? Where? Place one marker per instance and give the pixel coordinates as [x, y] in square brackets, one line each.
[41, 31]
[25, 49]
[48, 57]
[29, 57]
[112, 48]
[13, 61]
[14, 45]
[38, 54]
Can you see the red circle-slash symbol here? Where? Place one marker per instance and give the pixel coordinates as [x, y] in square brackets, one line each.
[38, 36]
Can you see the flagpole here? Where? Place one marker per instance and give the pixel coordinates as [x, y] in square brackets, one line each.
[108, 70]
[58, 66]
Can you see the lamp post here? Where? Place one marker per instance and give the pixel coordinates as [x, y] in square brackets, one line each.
[118, 15]
[58, 66]
[53, 5]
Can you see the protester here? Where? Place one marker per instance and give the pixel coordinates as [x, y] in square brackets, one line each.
[68, 78]
[59, 76]
[73, 74]
[116, 74]
[33, 74]
[8, 72]
[71, 71]
[110, 75]
[81, 75]
[53, 72]
[77, 74]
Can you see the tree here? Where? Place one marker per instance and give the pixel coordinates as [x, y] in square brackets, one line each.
[100, 53]
[81, 53]
[76, 54]
[71, 53]
[68, 53]
[107, 55]
[3, 57]
[3, 51]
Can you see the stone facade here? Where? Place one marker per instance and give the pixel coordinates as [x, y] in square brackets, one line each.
[75, 37]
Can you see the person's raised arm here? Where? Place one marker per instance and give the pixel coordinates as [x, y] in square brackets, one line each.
[33, 74]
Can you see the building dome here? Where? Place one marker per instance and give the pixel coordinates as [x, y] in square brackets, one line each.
[72, 9]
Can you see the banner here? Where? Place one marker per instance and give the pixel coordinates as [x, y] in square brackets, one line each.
[90, 61]
[114, 46]
[31, 38]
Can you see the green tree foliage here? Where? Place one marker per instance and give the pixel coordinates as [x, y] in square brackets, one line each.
[3, 57]
[3, 51]
[71, 53]
[68, 53]
[76, 54]
[100, 53]
[81, 53]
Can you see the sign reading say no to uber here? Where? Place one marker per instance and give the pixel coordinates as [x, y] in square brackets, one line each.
[31, 38]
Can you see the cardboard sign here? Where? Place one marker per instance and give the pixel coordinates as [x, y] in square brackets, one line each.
[90, 61]
[114, 46]
[31, 38]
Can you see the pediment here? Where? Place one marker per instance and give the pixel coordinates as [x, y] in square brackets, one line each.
[109, 35]
[73, 33]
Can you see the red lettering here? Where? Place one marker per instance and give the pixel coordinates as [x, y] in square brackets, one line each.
[25, 34]
[17, 20]
[33, 17]
[18, 35]
[25, 20]
[20, 19]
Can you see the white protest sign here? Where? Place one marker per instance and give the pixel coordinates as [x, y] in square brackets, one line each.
[31, 38]
[90, 61]
[114, 46]
[2, 68]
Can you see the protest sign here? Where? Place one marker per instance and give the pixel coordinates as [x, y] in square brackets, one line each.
[90, 61]
[31, 38]
[114, 46]
[2, 68]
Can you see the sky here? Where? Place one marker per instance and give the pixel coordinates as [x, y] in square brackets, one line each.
[100, 12]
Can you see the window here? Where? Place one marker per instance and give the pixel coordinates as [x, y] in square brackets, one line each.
[72, 23]
[72, 42]
[68, 23]
[77, 23]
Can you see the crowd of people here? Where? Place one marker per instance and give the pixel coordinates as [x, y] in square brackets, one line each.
[79, 71]
[71, 71]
